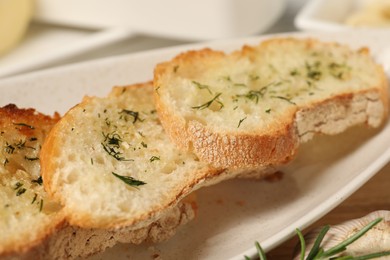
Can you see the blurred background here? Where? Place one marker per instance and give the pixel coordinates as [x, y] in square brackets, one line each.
[37, 34]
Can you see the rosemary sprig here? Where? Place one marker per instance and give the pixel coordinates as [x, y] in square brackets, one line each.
[318, 253]
[129, 180]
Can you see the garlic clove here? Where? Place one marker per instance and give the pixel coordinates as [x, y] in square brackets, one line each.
[375, 240]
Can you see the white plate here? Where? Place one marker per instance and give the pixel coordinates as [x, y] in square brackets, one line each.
[45, 44]
[234, 214]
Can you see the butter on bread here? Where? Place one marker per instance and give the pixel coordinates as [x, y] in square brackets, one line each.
[32, 223]
[110, 165]
[254, 107]
[27, 214]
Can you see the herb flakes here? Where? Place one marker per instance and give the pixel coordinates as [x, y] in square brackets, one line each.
[129, 180]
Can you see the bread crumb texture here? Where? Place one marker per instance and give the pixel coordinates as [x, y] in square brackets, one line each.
[252, 107]
[111, 165]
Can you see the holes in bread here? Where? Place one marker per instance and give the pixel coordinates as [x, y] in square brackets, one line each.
[71, 177]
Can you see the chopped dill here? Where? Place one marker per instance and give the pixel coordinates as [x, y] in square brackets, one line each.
[41, 205]
[240, 122]
[18, 185]
[129, 180]
[144, 145]
[31, 158]
[133, 114]
[20, 191]
[208, 103]
[34, 198]
[111, 145]
[154, 158]
[25, 125]
[268, 110]
[38, 180]
[284, 98]
[202, 86]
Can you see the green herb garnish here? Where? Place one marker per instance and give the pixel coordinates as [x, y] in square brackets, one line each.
[313, 71]
[25, 125]
[208, 103]
[202, 86]
[154, 158]
[319, 253]
[38, 181]
[18, 185]
[133, 114]
[31, 158]
[111, 145]
[284, 98]
[35, 198]
[41, 205]
[240, 122]
[129, 180]
[20, 191]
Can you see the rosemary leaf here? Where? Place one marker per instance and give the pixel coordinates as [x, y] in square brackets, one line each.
[302, 242]
[339, 248]
[372, 256]
[260, 251]
[316, 247]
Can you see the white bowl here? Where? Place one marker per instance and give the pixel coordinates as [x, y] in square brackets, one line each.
[330, 15]
[200, 19]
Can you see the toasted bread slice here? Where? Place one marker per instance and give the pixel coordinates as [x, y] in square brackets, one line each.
[27, 215]
[110, 164]
[32, 224]
[254, 106]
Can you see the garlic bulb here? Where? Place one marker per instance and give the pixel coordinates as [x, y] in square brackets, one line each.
[377, 239]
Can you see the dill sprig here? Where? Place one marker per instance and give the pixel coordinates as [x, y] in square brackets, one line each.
[202, 86]
[111, 145]
[129, 180]
[319, 253]
[133, 114]
[25, 125]
[208, 103]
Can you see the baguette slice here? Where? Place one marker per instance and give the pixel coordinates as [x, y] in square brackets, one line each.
[254, 106]
[27, 215]
[32, 225]
[110, 164]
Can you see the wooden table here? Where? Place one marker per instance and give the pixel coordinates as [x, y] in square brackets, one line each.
[374, 195]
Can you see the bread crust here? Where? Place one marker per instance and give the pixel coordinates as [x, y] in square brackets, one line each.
[278, 144]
